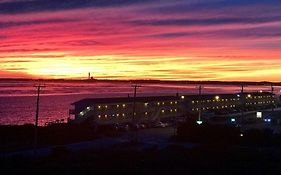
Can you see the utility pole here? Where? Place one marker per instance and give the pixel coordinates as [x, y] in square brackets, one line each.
[272, 91]
[200, 104]
[36, 118]
[134, 139]
[243, 98]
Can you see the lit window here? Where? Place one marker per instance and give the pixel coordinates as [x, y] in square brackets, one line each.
[105, 106]
[117, 106]
[171, 102]
[158, 103]
[146, 113]
[105, 116]
[117, 115]
[123, 114]
[99, 107]
[217, 97]
[163, 103]
[88, 108]
[182, 97]
[176, 110]
[192, 101]
[162, 111]
[124, 105]
[99, 116]
[145, 104]
[176, 102]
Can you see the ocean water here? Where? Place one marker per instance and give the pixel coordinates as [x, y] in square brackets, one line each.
[18, 98]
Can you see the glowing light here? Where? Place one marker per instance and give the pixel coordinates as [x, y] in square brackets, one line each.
[259, 114]
[233, 120]
[217, 97]
[199, 122]
[182, 97]
[241, 135]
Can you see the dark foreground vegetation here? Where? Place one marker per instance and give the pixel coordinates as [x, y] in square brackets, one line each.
[226, 135]
[127, 159]
[22, 137]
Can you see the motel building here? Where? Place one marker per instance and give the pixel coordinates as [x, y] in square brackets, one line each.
[121, 110]
[157, 108]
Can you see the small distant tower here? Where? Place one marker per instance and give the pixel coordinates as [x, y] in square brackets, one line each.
[89, 75]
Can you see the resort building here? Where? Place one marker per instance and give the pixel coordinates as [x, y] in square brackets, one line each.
[156, 108]
[124, 110]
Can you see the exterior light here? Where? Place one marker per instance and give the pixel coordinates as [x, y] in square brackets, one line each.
[99, 116]
[163, 111]
[217, 97]
[233, 120]
[88, 108]
[145, 104]
[199, 122]
[124, 105]
[182, 97]
[145, 113]
[99, 107]
[238, 95]
[259, 114]
[249, 96]
[117, 106]
[241, 135]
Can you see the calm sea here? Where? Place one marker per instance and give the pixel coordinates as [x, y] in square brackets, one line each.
[18, 98]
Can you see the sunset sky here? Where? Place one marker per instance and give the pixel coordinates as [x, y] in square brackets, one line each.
[141, 39]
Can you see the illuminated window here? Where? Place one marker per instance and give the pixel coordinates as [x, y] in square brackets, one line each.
[163, 103]
[99, 107]
[176, 102]
[123, 115]
[105, 116]
[162, 111]
[217, 97]
[158, 103]
[106, 106]
[146, 113]
[171, 102]
[192, 101]
[145, 104]
[171, 110]
[176, 110]
[182, 97]
[117, 106]
[88, 108]
[124, 105]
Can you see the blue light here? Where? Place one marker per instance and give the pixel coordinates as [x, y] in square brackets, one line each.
[268, 120]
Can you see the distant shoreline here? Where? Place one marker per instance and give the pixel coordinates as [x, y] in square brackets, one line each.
[265, 83]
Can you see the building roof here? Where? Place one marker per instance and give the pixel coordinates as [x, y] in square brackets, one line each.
[90, 101]
[124, 99]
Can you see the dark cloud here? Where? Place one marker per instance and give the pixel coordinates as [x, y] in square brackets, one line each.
[207, 5]
[258, 32]
[54, 5]
[34, 22]
[206, 21]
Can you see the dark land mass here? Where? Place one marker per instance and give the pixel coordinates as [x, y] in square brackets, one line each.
[219, 150]
[238, 83]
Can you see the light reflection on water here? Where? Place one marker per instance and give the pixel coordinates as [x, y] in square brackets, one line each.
[18, 98]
